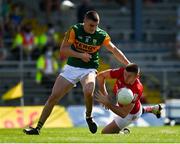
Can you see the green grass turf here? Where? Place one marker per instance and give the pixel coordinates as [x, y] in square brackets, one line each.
[164, 134]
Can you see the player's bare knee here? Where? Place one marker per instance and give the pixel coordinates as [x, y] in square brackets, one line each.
[103, 132]
[89, 89]
[109, 132]
[53, 99]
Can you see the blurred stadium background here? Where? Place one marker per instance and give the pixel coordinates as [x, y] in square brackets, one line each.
[31, 31]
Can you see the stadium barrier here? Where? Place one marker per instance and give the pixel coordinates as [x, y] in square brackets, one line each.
[173, 109]
[103, 117]
[20, 117]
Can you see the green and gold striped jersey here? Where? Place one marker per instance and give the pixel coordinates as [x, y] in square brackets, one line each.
[84, 42]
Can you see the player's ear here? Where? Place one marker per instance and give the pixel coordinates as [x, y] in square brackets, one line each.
[85, 19]
[138, 75]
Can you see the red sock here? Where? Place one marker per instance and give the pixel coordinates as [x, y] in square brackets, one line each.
[148, 109]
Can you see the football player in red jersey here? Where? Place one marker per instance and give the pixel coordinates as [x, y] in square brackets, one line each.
[125, 77]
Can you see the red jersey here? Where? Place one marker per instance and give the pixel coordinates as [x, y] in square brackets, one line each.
[136, 87]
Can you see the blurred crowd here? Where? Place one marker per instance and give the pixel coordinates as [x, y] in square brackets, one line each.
[23, 36]
[20, 28]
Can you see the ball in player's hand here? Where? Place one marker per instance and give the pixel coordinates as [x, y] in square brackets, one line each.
[125, 96]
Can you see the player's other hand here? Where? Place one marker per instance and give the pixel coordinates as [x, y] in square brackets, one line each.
[102, 99]
[86, 57]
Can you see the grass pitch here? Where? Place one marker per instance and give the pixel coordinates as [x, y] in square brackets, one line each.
[164, 134]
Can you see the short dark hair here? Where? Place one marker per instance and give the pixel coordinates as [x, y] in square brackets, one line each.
[92, 15]
[132, 67]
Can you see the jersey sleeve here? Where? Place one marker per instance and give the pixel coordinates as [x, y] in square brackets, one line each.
[70, 36]
[106, 41]
[116, 73]
[139, 93]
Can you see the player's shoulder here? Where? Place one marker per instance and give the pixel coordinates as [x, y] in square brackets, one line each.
[120, 69]
[117, 73]
[101, 31]
[139, 85]
[76, 26]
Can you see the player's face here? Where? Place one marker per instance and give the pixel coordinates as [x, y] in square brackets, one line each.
[90, 26]
[129, 77]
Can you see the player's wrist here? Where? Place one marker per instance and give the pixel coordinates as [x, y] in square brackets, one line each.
[80, 55]
[108, 104]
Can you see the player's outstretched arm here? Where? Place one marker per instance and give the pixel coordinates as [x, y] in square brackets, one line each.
[117, 53]
[122, 112]
[101, 80]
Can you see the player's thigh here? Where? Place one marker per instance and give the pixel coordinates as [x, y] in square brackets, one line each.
[123, 122]
[61, 87]
[111, 128]
[88, 83]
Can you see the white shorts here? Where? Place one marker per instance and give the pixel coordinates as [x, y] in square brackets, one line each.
[124, 122]
[75, 74]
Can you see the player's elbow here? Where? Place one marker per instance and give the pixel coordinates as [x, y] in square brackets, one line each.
[100, 79]
[123, 116]
[100, 76]
[62, 52]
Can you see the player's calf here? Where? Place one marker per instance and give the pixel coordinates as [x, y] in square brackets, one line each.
[156, 110]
